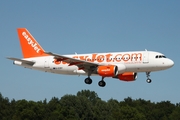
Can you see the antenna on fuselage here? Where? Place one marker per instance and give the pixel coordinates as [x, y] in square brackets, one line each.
[145, 49]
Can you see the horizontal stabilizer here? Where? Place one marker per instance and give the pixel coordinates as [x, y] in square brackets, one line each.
[23, 61]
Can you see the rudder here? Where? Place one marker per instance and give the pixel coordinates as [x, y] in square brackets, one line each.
[30, 47]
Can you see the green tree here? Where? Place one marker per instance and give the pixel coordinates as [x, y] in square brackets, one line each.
[130, 113]
[86, 105]
[175, 115]
[163, 110]
[114, 108]
[90, 95]
[5, 112]
[52, 109]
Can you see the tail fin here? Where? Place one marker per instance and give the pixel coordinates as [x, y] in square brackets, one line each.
[30, 47]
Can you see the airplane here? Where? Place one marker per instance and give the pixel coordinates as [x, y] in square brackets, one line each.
[119, 65]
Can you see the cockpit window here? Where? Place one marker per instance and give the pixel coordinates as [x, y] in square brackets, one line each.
[160, 56]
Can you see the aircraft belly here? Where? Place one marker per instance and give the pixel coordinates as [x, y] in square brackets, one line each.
[142, 67]
[138, 67]
[63, 69]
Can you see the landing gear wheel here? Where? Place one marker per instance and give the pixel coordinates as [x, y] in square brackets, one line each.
[102, 83]
[148, 80]
[88, 80]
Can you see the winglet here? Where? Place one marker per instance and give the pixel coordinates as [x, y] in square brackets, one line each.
[30, 47]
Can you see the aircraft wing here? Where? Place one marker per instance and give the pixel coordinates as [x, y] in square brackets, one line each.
[21, 60]
[72, 61]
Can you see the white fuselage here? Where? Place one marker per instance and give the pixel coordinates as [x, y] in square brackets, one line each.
[136, 61]
[119, 65]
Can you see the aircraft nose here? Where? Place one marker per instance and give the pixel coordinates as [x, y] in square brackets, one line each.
[170, 63]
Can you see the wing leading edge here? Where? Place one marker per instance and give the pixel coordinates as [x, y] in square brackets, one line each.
[72, 61]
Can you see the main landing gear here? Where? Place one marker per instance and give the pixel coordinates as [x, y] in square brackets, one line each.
[88, 80]
[148, 79]
[101, 83]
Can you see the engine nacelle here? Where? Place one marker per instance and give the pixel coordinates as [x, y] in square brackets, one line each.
[107, 71]
[128, 76]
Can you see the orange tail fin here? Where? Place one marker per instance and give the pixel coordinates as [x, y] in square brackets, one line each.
[30, 47]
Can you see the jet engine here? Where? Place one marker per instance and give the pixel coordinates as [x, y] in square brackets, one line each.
[107, 71]
[127, 76]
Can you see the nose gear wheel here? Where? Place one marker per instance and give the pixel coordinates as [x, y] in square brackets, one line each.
[148, 79]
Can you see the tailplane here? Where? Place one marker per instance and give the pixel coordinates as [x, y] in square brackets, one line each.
[30, 47]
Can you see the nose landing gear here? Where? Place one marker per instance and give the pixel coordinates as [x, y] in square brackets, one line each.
[148, 79]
